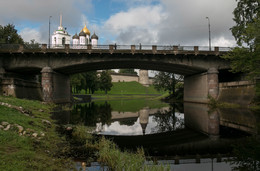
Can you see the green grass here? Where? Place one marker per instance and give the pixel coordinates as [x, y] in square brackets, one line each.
[121, 88]
[24, 152]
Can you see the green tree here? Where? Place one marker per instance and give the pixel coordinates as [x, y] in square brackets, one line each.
[9, 35]
[128, 71]
[92, 81]
[77, 82]
[246, 57]
[167, 81]
[105, 81]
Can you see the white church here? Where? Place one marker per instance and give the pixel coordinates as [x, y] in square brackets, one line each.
[61, 37]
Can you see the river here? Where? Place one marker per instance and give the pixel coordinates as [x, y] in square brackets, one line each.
[185, 136]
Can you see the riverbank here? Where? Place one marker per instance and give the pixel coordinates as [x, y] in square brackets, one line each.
[28, 137]
[29, 141]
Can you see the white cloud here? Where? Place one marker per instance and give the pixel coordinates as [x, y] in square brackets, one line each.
[29, 34]
[137, 25]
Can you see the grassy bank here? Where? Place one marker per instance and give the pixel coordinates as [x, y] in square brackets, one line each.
[128, 88]
[31, 142]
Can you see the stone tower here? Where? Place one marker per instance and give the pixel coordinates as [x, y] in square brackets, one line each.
[143, 77]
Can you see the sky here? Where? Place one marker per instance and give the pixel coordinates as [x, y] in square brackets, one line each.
[126, 22]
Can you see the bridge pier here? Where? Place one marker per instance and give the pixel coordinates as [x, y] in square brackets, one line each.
[55, 86]
[197, 88]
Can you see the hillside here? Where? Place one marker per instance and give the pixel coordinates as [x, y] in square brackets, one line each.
[130, 88]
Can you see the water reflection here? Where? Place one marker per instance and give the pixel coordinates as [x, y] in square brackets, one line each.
[144, 121]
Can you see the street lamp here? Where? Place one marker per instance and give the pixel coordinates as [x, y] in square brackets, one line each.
[49, 31]
[209, 34]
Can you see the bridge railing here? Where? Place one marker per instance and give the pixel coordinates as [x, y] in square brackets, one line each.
[38, 47]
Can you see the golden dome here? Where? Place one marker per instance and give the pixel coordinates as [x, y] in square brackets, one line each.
[85, 30]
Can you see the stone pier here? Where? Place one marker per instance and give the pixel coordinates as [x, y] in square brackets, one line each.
[197, 88]
[55, 86]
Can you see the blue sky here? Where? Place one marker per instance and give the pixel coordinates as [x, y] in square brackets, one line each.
[164, 22]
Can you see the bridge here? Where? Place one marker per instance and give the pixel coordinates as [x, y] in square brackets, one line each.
[200, 66]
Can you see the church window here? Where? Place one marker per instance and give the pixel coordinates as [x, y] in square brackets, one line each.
[63, 41]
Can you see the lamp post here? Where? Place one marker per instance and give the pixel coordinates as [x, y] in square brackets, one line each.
[49, 31]
[209, 34]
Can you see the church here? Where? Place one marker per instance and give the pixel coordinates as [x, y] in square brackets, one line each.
[61, 37]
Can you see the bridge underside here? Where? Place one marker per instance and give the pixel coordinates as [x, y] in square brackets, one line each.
[56, 67]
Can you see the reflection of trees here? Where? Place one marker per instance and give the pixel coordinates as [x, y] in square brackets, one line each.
[167, 121]
[91, 113]
[128, 122]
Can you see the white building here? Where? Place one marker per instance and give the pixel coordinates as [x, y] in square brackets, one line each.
[60, 37]
[84, 39]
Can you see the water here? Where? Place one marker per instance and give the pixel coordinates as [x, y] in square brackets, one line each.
[172, 132]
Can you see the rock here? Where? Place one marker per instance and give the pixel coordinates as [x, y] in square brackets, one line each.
[42, 134]
[7, 127]
[69, 128]
[28, 130]
[4, 123]
[20, 128]
[40, 110]
[46, 122]
[34, 135]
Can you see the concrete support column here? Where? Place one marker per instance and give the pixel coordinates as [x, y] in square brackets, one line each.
[143, 77]
[213, 87]
[47, 84]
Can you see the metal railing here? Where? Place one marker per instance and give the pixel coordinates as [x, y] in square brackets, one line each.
[17, 47]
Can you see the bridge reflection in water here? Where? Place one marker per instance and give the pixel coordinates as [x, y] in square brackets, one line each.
[170, 130]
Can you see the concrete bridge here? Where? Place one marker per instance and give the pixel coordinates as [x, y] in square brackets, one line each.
[200, 67]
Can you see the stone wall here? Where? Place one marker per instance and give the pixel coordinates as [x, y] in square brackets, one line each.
[123, 77]
[118, 77]
[239, 92]
[21, 88]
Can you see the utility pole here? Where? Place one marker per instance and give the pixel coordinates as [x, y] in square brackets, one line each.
[209, 34]
[49, 31]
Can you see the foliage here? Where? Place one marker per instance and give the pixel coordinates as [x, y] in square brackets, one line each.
[76, 81]
[246, 15]
[167, 81]
[246, 57]
[9, 35]
[88, 81]
[128, 71]
[92, 81]
[247, 155]
[32, 45]
[105, 81]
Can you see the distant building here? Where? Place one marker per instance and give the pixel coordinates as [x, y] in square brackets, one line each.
[142, 78]
[61, 37]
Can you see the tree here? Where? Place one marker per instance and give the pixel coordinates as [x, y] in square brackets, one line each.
[128, 71]
[167, 81]
[92, 82]
[9, 35]
[77, 82]
[105, 81]
[246, 57]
